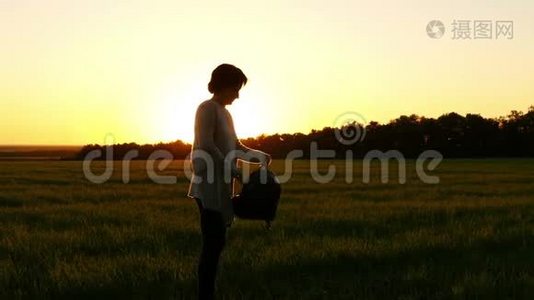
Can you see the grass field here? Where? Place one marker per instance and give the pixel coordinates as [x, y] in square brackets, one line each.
[470, 236]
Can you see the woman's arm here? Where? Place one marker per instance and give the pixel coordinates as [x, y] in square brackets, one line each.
[252, 155]
[204, 129]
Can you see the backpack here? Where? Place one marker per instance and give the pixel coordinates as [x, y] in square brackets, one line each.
[258, 199]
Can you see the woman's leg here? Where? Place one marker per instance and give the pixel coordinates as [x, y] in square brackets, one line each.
[213, 241]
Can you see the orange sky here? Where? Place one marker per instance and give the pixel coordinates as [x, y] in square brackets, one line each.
[73, 71]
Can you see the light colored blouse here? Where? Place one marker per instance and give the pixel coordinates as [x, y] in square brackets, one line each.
[214, 154]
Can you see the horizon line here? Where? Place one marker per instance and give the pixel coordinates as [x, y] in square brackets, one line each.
[248, 137]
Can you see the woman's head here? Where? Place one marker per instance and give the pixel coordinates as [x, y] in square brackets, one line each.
[226, 81]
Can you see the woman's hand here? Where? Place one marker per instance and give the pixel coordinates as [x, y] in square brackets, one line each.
[267, 161]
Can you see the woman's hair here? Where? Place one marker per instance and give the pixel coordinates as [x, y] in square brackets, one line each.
[225, 76]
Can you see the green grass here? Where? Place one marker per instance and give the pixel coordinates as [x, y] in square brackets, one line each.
[470, 236]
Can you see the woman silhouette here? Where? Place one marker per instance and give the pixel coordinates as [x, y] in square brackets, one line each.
[215, 151]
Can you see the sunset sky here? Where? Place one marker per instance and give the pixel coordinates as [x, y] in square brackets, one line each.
[73, 71]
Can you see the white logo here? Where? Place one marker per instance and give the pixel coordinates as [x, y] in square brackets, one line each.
[350, 128]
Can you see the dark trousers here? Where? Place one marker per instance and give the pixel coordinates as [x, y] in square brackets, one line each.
[213, 240]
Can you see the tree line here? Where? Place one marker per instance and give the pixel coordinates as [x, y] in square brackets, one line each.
[453, 135]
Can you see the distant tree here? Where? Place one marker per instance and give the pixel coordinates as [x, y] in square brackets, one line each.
[451, 134]
[481, 136]
[452, 130]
